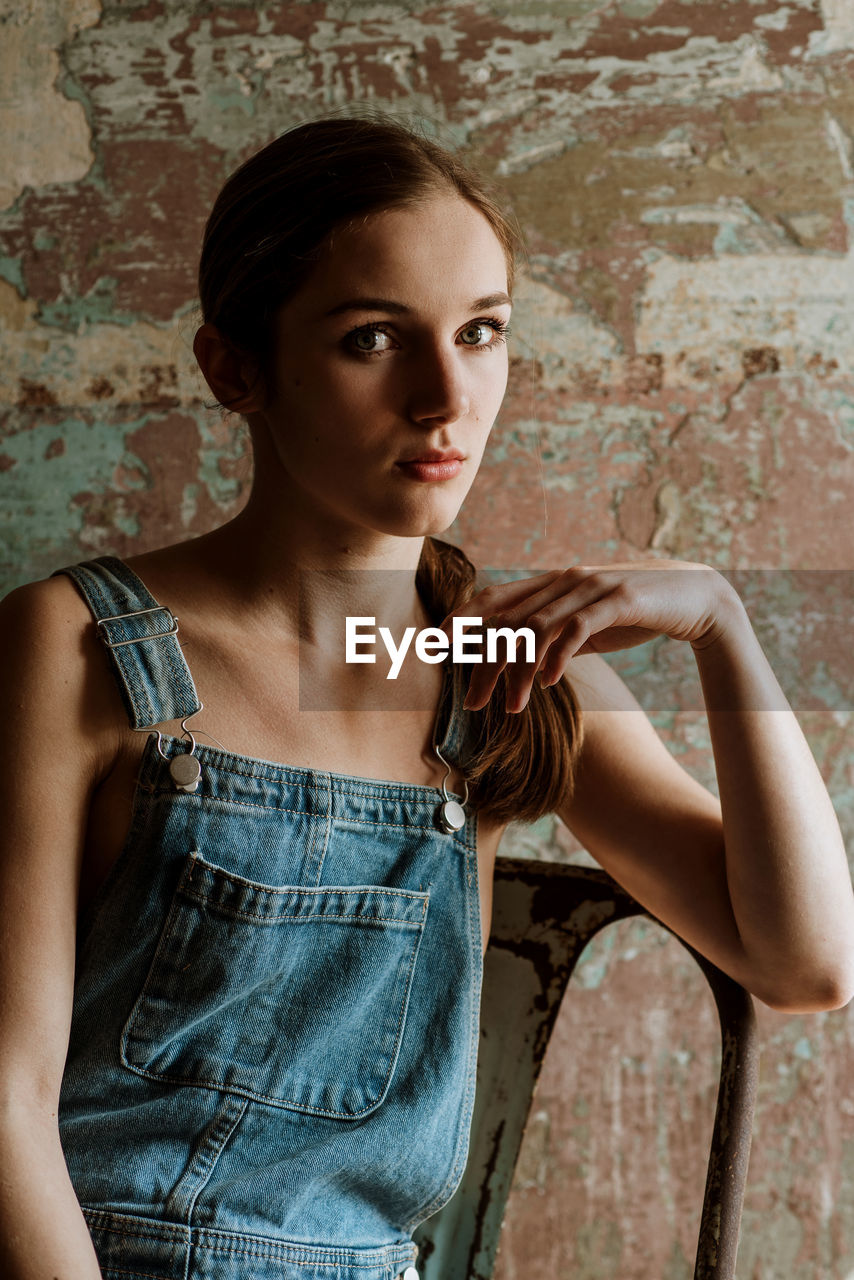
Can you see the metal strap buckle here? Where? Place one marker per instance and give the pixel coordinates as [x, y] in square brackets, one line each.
[157, 635]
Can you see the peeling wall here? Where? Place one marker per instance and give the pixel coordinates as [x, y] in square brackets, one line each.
[681, 385]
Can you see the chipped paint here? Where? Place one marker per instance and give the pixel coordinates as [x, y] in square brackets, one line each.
[97, 363]
[837, 32]
[45, 133]
[795, 303]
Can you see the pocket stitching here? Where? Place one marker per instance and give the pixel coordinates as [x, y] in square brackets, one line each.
[198, 860]
[282, 1103]
[293, 919]
[289, 1104]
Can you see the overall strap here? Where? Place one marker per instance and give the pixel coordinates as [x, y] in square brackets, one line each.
[456, 729]
[141, 636]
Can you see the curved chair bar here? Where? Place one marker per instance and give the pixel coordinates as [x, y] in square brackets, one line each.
[544, 915]
[726, 1176]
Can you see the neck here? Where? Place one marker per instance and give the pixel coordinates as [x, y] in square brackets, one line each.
[303, 577]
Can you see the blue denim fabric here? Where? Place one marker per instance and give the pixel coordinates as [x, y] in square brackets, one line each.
[153, 678]
[271, 1069]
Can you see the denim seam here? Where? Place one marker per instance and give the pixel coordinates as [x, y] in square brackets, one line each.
[233, 1242]
[182, 676]
[275, 920]
[415, 894]
[220, 1140]
[128, 663]
[298, 1258]
[170, 1233]
[266, 1099]
[304, 813]
[207, 1146]
[472, 870]
[105, 595]
[166, 934]
[133, 1275]
[139, 698]
[309, 778]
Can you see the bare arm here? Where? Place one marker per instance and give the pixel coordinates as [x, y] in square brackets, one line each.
[759, 883]
[49, 766]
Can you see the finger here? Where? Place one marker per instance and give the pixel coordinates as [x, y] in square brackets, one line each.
[571, 589]
[545, 614]
[550, 622]
[576, 634]
[519, 657]
[499, 596]
[486, 676]
[580, 633]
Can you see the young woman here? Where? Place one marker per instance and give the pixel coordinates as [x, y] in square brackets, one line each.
[239, 998]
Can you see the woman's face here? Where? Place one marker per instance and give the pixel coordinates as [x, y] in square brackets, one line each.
[393, 351]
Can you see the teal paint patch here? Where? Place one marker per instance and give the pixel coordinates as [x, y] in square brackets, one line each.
[189, 504]
[226, 101]
[638, 8]
[70, 88]
[803, 1049]
[628, 457]
[595, 960]
[838, 404]
[128, 524]
[98, 306]
[43, 514]
[12, 271]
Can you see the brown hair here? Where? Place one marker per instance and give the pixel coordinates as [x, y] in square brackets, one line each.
[267, 229]
[523, 764]
[272, 219]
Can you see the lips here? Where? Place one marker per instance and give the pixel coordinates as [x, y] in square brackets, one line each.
[435, 455]
[433, 466]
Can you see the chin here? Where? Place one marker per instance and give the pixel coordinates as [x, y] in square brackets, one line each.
[431, 519]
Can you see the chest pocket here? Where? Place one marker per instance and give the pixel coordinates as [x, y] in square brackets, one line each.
[295, 997]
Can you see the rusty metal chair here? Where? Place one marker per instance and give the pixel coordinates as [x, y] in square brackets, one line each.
[544, 916]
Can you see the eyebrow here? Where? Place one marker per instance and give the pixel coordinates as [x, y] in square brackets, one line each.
[398, 308]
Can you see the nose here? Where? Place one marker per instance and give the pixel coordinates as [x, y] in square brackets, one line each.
[438, 388]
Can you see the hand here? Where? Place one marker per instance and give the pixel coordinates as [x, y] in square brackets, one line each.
[594, 610]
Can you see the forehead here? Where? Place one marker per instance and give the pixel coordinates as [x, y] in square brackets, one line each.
[435, 252]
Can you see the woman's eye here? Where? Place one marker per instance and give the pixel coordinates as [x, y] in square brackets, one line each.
[483, 333]
[369, 340]
[373, 340]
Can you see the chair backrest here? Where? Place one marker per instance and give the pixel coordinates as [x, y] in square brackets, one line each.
[544, 915]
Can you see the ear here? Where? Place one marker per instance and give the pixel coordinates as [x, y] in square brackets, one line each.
[230, 374]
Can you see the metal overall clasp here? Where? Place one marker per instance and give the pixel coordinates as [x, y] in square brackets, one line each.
[450, 814]
[184, 768]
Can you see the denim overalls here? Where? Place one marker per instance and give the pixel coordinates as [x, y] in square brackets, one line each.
[272, 1059]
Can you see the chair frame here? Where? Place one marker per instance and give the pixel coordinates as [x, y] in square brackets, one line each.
[544, 914]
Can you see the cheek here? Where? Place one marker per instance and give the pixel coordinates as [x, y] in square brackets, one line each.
[493, 386]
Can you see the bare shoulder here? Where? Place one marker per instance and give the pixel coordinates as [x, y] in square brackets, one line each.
[55, 677]
[52, 601]
[45, 619]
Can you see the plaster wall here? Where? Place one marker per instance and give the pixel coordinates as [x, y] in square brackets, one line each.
[681, 386]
